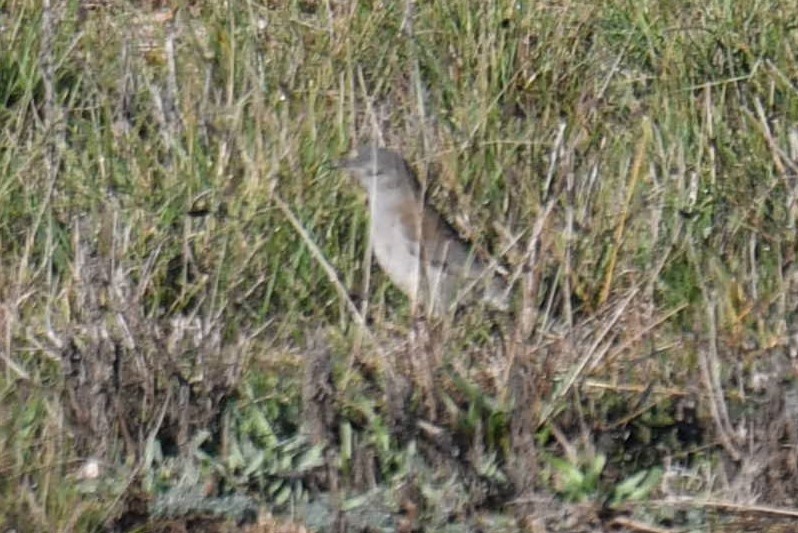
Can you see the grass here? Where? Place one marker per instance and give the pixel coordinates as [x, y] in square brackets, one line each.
[193, 335]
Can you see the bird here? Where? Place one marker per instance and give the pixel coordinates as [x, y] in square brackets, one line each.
[413, 244]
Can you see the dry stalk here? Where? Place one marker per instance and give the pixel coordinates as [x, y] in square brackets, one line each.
[618, 237]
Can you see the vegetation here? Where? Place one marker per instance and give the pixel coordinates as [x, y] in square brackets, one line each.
[194, 337]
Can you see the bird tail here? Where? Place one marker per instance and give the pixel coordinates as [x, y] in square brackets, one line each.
[497, 294]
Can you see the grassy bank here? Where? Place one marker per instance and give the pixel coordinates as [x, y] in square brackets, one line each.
[193, 335]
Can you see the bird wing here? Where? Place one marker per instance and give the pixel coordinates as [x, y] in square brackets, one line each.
[445, 250]
[443, 247]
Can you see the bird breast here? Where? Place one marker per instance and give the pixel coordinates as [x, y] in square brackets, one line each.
[396, 249]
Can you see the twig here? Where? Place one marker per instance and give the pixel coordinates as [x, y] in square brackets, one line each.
[317, 254]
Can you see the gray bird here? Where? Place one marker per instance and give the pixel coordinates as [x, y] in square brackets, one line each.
[413, 244]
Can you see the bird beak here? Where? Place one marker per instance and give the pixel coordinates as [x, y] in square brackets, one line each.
[344, 164]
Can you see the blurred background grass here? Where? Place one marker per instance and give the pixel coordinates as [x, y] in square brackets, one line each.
[162, 320]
